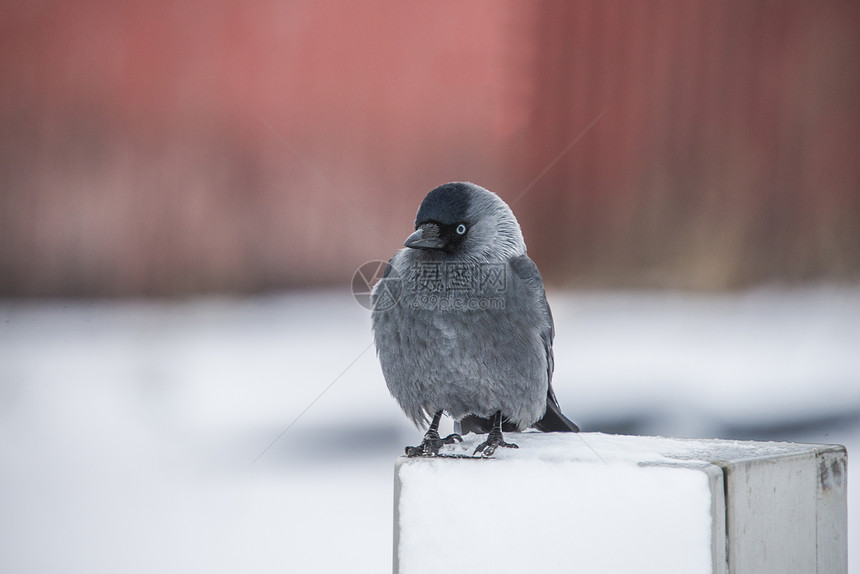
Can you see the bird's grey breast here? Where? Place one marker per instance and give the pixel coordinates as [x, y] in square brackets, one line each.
[463, 337]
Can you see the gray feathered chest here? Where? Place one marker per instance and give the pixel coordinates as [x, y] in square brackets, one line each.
[464, 337]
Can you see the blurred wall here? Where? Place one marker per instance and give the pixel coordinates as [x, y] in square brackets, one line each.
[163, 148]
[729, 152]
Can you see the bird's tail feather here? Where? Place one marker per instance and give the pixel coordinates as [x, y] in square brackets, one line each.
[553, 419]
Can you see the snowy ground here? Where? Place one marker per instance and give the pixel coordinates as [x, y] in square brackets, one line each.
[257, 435]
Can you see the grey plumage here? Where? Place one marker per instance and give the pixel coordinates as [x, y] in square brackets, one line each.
[461, 322]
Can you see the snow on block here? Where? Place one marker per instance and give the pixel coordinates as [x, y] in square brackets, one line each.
[591, 503]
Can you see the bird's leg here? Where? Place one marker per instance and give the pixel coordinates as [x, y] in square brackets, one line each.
[432, 442]
[494, 439]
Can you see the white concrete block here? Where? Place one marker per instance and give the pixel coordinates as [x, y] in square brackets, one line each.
[593, 503]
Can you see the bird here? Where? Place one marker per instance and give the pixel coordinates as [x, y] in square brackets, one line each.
[462, 326]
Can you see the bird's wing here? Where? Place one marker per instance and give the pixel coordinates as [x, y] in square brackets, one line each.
[553, 420]
[526, 270]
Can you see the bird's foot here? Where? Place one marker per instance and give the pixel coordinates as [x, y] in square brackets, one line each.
[431, 444]
[494, 440]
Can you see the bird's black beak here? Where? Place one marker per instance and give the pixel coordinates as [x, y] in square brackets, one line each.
[425, 237]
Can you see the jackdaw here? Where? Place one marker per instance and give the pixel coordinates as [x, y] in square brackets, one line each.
[462, 326]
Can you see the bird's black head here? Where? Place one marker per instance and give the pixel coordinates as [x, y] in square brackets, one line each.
[465, 221]
[442, 222]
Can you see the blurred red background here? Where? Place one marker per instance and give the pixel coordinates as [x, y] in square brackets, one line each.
[164, 148]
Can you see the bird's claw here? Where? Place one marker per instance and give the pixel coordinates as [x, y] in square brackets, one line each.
[431, 444]
[494, 440]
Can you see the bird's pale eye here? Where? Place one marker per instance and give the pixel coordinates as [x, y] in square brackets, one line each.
[461, 229]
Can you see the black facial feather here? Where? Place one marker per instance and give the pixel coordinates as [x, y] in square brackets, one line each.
[453, 240]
